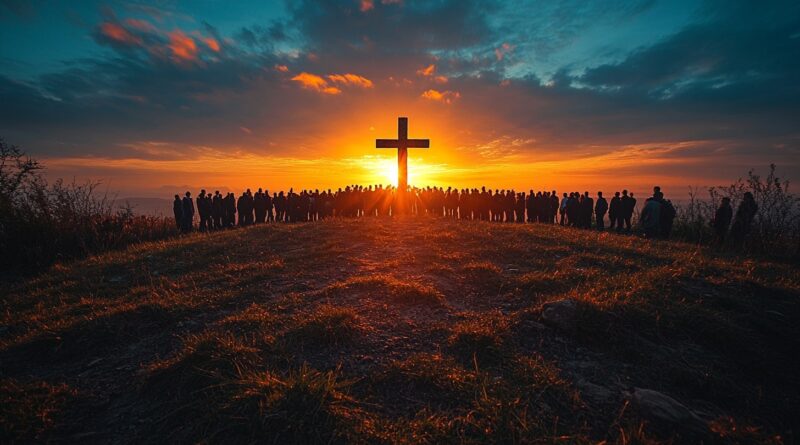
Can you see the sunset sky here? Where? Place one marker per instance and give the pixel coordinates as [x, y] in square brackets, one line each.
[153, 98]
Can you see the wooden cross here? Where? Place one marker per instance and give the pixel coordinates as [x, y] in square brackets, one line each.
[402, 144]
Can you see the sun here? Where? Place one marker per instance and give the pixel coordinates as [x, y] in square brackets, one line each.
[388, 171]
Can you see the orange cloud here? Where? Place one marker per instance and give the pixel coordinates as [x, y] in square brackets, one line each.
[119, 34]
[212, 44]
[182, 46]
[504, 49]
[428, 71]
[313, 82]
[351, 79]
[366, 5]
[440, 79]
[282, 68]
[441, 96]
[140, 25]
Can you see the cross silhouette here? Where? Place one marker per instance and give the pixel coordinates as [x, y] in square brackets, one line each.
[402, 144]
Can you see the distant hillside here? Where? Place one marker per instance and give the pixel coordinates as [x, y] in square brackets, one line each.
[403, 331]
[147, 206]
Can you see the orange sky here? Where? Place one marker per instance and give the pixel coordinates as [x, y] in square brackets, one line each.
[159, 100]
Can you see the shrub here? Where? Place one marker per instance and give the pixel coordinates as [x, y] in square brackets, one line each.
[42, 223]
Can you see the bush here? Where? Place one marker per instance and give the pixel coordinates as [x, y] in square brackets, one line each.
[775, 229]
[42, 223]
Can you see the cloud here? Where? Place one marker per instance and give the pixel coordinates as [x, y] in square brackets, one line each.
[320, 84]
[315, 83]
[115, 34]
[441, 96]
[427, 71]
[504, 49]
[182, 46]
[351, 79]
[178, 46]
[212, 44]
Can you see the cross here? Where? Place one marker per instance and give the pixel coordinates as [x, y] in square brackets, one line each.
[402, 144]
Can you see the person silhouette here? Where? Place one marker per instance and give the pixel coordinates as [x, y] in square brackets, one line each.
[722, 220]
[177, 210]
[187, 216]
[651, 216]
[743, 220]
[203, 211]
[600, 209]
[216, 210]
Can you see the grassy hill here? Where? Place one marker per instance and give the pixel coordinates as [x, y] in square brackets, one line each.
[409, 331]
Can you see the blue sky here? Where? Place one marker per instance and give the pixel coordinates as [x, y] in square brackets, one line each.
[683, 92]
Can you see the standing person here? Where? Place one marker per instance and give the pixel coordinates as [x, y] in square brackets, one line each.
[230, 210]
[187, 217]
[743, 220]
[268, 206]
[260, 206]
[563, 208]
[241, 208]
[722, 220]
[177, 210]
[202, 209]
[668, 213]
[217, 210]
[627, 203]
[553, 207]
[651, 216]
[600, 209]
[588, 209]
[613, 211]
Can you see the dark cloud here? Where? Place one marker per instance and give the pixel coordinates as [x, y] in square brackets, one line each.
[394, 27]
[727, 86]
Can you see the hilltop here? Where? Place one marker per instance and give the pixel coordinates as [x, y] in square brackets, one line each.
[403, 331]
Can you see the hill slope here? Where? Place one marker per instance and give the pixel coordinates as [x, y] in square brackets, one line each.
[402, 331]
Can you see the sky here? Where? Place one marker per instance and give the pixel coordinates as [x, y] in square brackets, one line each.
[153, 98]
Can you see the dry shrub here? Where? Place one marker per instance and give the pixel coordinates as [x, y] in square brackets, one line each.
[28, 411]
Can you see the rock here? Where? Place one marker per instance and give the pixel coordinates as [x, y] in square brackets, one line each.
[560, 314]
[594, 392]
[663, 409]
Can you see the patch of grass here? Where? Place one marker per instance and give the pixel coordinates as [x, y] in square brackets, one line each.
[484, 276]
[388, 289]
[479, 341]
[29, 410]
[326, 325]
[207, 362]
[436, 379]
[304, 406]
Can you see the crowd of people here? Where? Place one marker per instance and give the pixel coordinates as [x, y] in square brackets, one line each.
[574, 209]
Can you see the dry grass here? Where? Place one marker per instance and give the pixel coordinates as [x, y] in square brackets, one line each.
[409, 331]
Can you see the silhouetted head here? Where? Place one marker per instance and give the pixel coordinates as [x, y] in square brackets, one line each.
[656, 190]
[616, 194]
[726, 201]
[600, 194]
[202, 192]
[749, 196]
[177, 197]
[631, 194]
[188, 194]
[624, 193]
